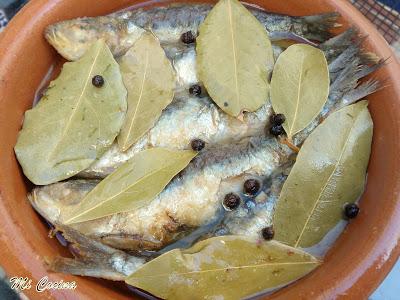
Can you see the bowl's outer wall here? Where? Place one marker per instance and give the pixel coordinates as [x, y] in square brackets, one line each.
[353, 268]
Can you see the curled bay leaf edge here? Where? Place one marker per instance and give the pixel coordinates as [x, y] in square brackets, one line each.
[133, 185]
[329, 172]
[222, 266]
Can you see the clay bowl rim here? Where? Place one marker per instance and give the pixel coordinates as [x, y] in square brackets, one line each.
[370, 269]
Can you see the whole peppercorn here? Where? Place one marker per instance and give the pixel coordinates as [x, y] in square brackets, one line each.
[351, 210]
[276, 130]
[188, 37]
[197, 144]
[278, 119]
[251, 187]
[195, 90]
[231, 201]
[268, 233]
[98, 81]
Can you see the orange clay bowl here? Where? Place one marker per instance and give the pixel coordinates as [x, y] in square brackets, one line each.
[353, 268]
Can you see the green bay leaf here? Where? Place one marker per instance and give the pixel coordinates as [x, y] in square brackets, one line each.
[234, 58]
[225, 267]
[330, 171]
[150, 81]
[299, 86]
[134, 184]
[74, 122]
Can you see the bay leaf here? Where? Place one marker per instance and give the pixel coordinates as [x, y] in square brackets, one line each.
[330, 171]
[299, 86]
[150, 81]
[74, 122]
[224, 267]
[134, 184]
[234, 58]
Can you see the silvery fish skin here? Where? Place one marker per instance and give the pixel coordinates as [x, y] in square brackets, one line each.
[348, 64]
[188, 202]
[120, 30]
[187, 118]
[191, 117]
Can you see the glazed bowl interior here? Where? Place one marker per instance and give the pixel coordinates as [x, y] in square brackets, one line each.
[353, 268]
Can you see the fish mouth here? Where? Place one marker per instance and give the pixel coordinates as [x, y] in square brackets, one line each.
[70, 48]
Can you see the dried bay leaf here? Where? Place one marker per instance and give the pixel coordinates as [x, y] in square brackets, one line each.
[74, 122]
[226, 267]
[234, 58]
[150, 81]
[132, 185]
[299, 86]
[330, 171]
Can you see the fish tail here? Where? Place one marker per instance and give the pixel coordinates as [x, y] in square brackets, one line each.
[345, 86]
[92, 258]
[317, 27]
[82, 268]
[360, 92]
[337, 45]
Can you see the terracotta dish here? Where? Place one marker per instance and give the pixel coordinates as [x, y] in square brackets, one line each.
[353, 268]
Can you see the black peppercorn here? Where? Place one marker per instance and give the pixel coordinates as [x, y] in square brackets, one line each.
[197, 144]
[278, 119]
[268, 233]
[188, 37]
[231, 201]
[195, 90]
[351, 210]
[98, 81]
[251, 187]
[276, 130]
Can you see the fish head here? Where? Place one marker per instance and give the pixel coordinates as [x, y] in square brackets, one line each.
[51, 200]
[71, 38]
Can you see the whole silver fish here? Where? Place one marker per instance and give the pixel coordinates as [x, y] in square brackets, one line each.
[120, 30]
[188, 202]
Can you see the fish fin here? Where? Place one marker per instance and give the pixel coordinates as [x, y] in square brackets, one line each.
[93, 258]
[82, 268]
[342, 45]
[287, 35]
[318, 27]
[363, 90]
[369, 67]
[341, 40]
[346, 71]
[345, 63]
